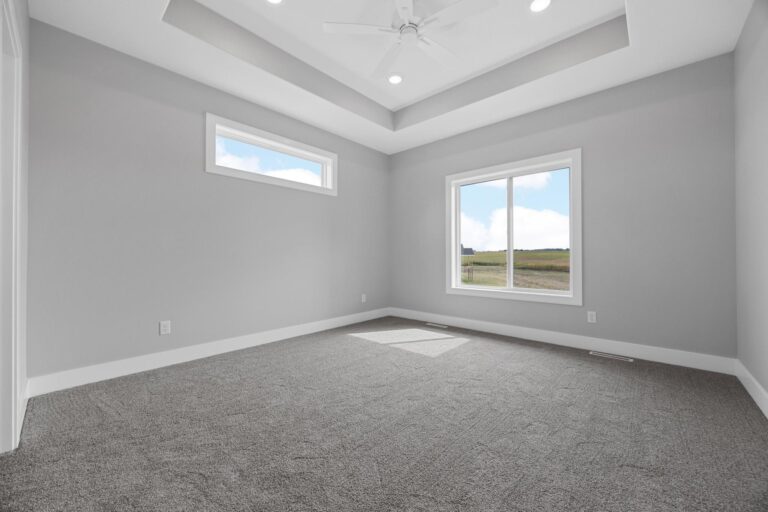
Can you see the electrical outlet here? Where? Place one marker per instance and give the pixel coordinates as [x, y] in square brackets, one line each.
[592, 317]
[363, 298]
[165, 327]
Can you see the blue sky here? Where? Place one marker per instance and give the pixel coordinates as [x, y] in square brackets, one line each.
[248, 157]
[553, 196]
[541, 203]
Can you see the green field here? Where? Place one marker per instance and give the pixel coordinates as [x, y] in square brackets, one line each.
[547, 269]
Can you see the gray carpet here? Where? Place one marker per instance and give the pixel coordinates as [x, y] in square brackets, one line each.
[333, 422]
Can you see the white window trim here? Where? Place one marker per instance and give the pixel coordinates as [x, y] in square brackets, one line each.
[215, 125]
[570, 159]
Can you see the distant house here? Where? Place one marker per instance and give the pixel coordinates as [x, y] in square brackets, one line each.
[468, 251]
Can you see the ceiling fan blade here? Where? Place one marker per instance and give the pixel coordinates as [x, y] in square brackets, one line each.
[356, 29]
[389, 60]
[459, 11]
[404, 9]
[437, 51]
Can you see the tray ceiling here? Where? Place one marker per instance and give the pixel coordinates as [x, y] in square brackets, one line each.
[481, 43]
[509, 61]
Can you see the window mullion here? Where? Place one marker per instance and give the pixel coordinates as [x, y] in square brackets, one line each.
[510, 234]
[457, 268]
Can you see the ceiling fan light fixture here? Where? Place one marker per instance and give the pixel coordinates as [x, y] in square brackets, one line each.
[413, 33]
[540, 5]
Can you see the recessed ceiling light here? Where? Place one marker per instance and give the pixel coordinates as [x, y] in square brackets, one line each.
[275, 1]
[395, 79]
[540, 5]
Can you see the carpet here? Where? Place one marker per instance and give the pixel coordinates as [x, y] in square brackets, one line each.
[337, 422]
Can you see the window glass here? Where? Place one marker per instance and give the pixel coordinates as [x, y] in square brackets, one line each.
[239, 155]
[484, 234]
[541, 230]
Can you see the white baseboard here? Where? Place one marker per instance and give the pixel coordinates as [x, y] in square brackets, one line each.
[696, 360]
[753, 387]
[43, 384]
[70, 378]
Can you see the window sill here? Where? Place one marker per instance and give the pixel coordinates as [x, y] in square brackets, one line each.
[544, 296]
[260, 178]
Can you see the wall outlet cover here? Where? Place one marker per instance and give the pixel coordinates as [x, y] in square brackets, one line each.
[165, 327]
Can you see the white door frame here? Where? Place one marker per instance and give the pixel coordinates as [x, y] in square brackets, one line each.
[16, 396]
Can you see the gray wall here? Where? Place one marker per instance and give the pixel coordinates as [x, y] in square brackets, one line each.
[751, 188]
[127, 229]
[658, 197]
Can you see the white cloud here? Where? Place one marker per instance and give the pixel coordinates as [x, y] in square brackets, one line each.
[540, 229]
[227, 159]
[534, 229]
[536, 181]
[252, 164]
[480, 237]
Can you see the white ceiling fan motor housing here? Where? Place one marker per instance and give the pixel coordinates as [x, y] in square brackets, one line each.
[409, 33]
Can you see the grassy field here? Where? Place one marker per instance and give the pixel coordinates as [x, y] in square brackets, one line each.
[545, 269]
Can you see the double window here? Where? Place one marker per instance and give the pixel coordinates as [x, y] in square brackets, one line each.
[241, 151]
[514, 230]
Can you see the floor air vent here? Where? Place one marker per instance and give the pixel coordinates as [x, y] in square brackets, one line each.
[611, 356]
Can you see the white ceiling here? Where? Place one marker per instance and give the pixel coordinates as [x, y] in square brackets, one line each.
[663, 34]
[480, 43]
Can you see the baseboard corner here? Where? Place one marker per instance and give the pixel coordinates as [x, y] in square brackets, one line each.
[758, 393]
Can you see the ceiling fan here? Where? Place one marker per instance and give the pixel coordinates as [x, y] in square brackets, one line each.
[413, 31]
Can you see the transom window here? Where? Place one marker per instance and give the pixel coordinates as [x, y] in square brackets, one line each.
[514, 230]
[241, 151]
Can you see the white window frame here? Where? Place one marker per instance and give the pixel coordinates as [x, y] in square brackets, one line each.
[453, 183]
[216, 125]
